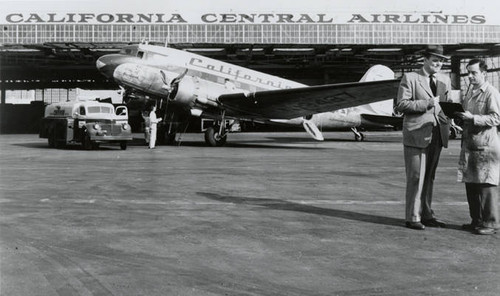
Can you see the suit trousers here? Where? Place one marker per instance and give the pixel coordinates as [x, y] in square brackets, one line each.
[421, 165]
[483, 204]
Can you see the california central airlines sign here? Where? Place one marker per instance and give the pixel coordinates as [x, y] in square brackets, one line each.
[240, 18]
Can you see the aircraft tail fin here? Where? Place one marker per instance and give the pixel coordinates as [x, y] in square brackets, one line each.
[377, 72]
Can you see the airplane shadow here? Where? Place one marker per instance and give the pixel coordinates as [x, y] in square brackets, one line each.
[374, 139]
[277, 204]
[39, 145]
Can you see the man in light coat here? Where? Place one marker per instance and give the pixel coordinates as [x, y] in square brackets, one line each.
[479, 164]
[153, 122]
[425, 132]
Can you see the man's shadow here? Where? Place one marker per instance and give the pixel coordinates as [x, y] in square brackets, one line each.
[278, 204]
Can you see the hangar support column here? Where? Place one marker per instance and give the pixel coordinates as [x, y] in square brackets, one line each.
[2, 103]
[455, 72]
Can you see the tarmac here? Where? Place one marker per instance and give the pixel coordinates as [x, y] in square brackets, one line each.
[268, 214]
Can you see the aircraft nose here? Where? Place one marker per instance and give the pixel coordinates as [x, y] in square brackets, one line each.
[105, 65]
[100, 64]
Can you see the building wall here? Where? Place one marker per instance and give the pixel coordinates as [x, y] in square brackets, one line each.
[374, 34]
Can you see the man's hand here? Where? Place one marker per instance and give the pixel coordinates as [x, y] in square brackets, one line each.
[465, 115]
[430, 103]
[434, 103]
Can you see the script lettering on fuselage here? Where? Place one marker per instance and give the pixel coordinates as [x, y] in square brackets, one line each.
[238, 74]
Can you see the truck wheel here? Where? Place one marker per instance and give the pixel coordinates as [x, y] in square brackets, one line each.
[123, 145]
[52, 139]
[86, 142]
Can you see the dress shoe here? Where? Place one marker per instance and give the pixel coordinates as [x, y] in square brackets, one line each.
[485, 231]
[415, 225]
[470, 227]
[434, 223]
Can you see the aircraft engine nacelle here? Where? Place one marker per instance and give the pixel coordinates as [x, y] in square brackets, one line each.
[182, 90]
[193, 91]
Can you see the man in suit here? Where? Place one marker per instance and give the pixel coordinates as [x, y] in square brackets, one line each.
[425, 132]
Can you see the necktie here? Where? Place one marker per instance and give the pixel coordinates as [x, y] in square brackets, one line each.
[432, 84]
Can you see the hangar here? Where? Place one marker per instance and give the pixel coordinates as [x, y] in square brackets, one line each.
[48, 56]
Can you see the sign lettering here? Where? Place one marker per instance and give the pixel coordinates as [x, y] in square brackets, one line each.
[241, 18]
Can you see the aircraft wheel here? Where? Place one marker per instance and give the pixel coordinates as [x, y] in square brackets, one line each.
[360, 137]
[123, 145]
[212, 137]
[52, 139]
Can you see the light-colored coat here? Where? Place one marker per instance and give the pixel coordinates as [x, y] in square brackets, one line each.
[413, 95]
[480, 154]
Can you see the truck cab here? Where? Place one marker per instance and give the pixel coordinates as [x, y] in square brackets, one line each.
[87, 123]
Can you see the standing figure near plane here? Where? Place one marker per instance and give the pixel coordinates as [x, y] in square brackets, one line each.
[153, 122]
[147, 125]
[425, 132]
[479, 164]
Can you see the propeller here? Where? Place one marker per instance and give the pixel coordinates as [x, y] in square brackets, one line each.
[174, 83]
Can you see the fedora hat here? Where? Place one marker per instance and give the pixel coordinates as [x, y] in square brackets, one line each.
[436, 50]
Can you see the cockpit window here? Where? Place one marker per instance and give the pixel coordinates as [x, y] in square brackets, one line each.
[129, 50]
[140, 54]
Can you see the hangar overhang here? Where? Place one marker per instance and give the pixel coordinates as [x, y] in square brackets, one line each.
[72, 64]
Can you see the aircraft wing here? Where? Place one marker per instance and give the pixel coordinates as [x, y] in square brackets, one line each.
[382, 119]
[303, 101]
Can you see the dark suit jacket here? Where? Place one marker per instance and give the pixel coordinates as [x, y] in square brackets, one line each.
[413, 95]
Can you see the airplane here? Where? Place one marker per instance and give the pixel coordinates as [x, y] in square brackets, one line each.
[187, 84]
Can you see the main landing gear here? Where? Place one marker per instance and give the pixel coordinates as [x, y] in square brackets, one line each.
[357, 135]
[216, 135]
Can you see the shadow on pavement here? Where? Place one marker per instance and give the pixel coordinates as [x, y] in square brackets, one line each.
[277, 204]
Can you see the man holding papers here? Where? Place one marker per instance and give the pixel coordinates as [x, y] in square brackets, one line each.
[425, 132]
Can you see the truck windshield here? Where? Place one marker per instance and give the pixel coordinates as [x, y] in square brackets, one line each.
[99, 109]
